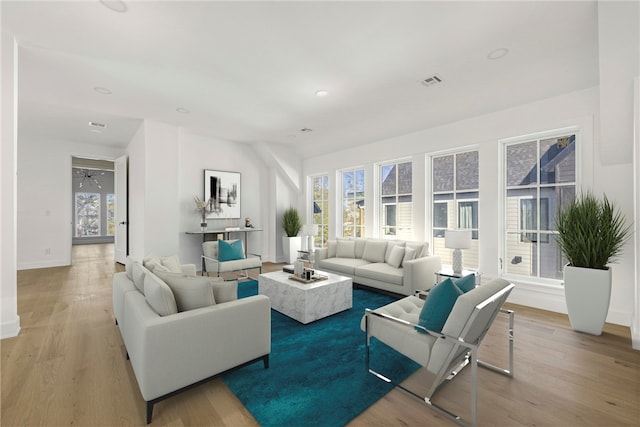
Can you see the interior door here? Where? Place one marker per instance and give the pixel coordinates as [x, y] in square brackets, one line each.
[121, 239]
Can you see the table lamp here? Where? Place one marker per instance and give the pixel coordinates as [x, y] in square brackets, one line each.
[309, 232]
[457, 240]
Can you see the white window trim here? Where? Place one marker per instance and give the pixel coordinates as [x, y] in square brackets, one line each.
[502, 189]
[310, 200]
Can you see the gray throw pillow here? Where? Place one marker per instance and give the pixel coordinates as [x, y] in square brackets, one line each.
[189, 292]
[224, 291]
[159, 295]
[395, 259]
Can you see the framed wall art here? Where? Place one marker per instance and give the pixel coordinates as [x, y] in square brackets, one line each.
[222, 190]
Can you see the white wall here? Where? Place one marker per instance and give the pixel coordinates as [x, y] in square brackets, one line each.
[9, 320]
[578, 108]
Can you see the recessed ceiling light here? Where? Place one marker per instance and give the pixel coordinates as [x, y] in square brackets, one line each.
[102, 90]
[306, 130]
[182, 110]
[115, 5]
[498, 53]
[322, 92]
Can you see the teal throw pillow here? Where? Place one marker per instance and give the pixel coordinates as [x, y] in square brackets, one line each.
[230, 250]
[439, 303]
[466, 283]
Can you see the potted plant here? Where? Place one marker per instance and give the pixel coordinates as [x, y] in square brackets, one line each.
[291, 242]
[591, 233]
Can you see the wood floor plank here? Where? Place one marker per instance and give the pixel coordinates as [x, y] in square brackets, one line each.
[68, 367]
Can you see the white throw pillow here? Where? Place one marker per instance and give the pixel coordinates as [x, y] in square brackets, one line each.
[138, 272]
[374, 250]
[224, 291]
[128, 267]
[159, 295]
[395, 259]
[346, 249]
[421, 248]
[409, 254]
[189, 292]
[390, 246]
[172, 263]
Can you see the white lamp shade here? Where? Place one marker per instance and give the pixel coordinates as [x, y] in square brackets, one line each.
[457, 239]
[310, 229]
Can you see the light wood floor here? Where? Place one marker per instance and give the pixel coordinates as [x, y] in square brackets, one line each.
[68, 367]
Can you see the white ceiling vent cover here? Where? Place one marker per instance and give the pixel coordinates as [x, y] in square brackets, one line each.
[431, 80]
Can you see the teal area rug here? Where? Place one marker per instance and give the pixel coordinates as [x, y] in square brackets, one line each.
[317, 374]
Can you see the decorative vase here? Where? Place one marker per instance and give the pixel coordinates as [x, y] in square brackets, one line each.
[587, 293]
[290, 248]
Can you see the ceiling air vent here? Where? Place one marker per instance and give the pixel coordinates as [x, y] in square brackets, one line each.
[431, 80]
[97, 125]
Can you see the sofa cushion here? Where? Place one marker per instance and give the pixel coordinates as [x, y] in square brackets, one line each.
[224, 291]
[341, 265]
[360, 244]
[396, 256]
[159, 295]
[138, 272]
[390, 247]
[422, 248]
[438, 305]
[374, 250]
[381, 271]
[128, 267]
[230, 250]
[169, 263]
[189, 292]
[331, 248]
[346, 249]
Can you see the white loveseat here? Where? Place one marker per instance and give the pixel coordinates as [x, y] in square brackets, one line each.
[171, 350]
[401, 267]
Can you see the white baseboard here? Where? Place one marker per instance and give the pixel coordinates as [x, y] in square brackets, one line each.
[42, 264]
[10, 329]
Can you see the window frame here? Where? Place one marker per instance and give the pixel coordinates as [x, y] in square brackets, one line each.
[323, 227]
[354, 199]
[380, 227]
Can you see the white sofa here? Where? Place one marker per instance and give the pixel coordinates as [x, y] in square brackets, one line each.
[375, 263]
[170, 350]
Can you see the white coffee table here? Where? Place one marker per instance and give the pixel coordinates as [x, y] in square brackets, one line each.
[307, 302]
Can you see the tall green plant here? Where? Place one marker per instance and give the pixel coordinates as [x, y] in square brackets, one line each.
[591, 231]
[291, 222]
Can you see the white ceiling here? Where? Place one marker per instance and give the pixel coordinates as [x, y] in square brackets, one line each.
[248, 71]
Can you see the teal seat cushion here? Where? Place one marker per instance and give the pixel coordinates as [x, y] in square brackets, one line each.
[466, 283]
[440, 301]
[230, 250]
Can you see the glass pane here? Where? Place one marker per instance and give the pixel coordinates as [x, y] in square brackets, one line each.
[443, 173]
[348, 185]
[440, 215]
[348, 211]
[404, 178]
[522, 163]
[520, 256]
[359, 231]
[448, 196]
[347, 231]
[388, 200]
[389, 215]
[467, 171]
[388, 179]
[111, 214]
[468, 215]
[557, 160]
[359, 186]
[87, 214]
[551, 259]
[514, 211]
[468, 195]
[404, 199]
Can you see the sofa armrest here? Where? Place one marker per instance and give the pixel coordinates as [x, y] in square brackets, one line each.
[321, 253]
[420, 273]
[189, 269]
[171, 352]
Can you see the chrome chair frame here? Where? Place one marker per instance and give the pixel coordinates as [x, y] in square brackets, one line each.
[457, 362]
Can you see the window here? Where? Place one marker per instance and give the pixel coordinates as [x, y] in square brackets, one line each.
[353, 203]
[396, 205]
[321, 208]
[87, 214]
[455, 197]
[539, 178]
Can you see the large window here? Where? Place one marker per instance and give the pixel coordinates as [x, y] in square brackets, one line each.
[353, 203]
[539, 178]
[455, 193]
[396, 202]
[87, 214]
[320, 206]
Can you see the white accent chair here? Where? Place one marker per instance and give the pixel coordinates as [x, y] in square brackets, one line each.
[445, 353]
[213, 265]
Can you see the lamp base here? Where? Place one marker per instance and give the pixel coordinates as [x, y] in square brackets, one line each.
[457, 261]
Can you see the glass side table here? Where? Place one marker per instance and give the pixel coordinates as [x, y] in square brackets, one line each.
[448, 272]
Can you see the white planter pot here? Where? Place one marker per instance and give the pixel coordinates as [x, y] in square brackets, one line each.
[290, 248]
[587, 292]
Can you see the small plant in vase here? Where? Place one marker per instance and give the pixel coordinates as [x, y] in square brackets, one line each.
[202, 207]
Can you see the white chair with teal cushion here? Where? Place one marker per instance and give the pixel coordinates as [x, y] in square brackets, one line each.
[224, 256]
[442, 334]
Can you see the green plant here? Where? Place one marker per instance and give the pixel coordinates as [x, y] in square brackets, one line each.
[291, 222]
[591, 231]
